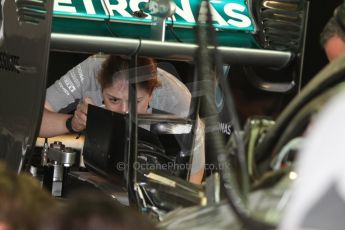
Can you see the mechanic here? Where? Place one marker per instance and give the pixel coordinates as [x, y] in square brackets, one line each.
[102, 80]
[332, 38]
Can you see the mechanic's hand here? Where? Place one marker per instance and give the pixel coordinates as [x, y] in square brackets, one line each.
[80, 115]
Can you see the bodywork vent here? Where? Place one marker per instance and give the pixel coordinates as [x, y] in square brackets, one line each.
[280, 23]
[31, 11]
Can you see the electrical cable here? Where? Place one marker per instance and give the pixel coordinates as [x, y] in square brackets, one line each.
[107, 22]
[171, 28]
[132, 133]
[137, 50]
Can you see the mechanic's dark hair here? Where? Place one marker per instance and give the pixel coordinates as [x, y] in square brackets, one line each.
[93, 210]
[331, 28]
[23, 202]
[115, 67]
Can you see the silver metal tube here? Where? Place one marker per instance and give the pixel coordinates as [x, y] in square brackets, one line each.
[164, 50]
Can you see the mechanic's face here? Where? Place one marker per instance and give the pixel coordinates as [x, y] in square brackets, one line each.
[116, 97]
[334, 47]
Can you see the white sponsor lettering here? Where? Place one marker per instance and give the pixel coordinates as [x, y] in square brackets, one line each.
[75, 79]
[216, 17]
[186, 11]
[80, 73]
[225, 128]
[90, 9]
[124, 8]
[242, 20]
[120, 8]
[64, 89]
[69, 9]
[69, 84]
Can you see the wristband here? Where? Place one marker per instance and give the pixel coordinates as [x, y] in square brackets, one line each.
[69, 125]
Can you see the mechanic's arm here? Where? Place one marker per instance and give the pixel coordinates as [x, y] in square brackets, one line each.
[54, 123]
[198, 161]
[196, 178]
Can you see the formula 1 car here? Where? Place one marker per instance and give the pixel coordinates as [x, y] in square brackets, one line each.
[265, 37]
